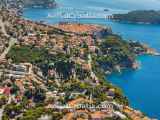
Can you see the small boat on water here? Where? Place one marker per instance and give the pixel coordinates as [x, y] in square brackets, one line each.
[106, 10]
[50, 16]
[157, 54]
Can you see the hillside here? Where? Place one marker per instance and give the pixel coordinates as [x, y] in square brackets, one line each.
[139, 16]
[28, 3]
[40, 3]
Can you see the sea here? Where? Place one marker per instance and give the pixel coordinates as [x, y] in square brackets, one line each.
[142, 86]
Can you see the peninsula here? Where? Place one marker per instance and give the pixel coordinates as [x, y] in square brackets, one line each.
[138, 16]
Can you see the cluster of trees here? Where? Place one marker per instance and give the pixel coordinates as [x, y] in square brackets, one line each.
[115, 51]
[38, 95]
[36, 113]
[31, 54]
[12, 110]
[3, 100]
[41, 57]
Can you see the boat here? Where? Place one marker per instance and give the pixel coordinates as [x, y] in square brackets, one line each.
[50, 16]
[106, 10]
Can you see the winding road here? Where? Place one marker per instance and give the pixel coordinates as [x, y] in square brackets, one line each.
[1, 112]
[12, 41]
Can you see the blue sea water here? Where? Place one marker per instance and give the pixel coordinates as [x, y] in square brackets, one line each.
[142, 86]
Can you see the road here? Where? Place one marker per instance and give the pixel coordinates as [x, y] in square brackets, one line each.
[1, 112]
[11, 43]
[2, 25]
[3, 56]
[93, 75]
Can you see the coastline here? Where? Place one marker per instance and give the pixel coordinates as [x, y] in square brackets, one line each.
[130, 22]
[138, 17]
[140, 35]
[41, 24]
